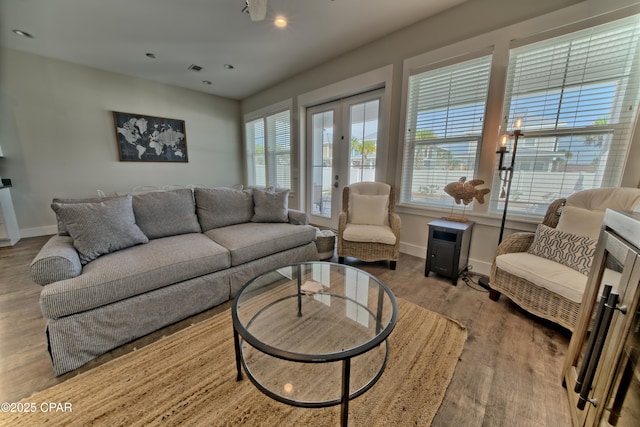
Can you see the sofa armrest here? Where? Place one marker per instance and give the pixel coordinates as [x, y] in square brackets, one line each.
[57, 260]
[298, 217]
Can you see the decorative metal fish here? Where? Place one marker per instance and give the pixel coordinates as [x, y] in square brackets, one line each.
[466, 191]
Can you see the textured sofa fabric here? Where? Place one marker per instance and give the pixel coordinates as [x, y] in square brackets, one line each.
[134, 271]
[162, 214]
[125, 294]
[250, 241]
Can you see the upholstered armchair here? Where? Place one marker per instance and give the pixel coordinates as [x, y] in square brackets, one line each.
[546, 272]
[369, 228]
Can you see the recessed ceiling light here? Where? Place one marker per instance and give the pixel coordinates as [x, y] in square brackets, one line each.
[280, 22]
[150, 55]
[22, 34]
[229, 66]
[207, 82]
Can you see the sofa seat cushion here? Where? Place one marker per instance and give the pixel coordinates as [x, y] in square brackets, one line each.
[251, 241]
[553, 276]
[134, 271]
[369, 234]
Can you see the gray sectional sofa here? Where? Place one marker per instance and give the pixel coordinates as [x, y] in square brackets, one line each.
[126, 266]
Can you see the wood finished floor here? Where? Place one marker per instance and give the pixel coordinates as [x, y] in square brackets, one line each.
[509, 373]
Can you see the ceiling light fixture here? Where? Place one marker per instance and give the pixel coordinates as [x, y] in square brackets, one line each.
[22, 34]
[280, 22]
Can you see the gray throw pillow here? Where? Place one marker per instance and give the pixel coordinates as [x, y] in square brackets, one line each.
[100, 228]
[166, 213]
[62, 230]
[270, 206]
[219, 207]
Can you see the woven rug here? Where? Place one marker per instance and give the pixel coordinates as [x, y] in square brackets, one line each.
[188, 378]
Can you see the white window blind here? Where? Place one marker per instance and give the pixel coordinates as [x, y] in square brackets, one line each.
[445, 118]
[577, 96]
[268, 141]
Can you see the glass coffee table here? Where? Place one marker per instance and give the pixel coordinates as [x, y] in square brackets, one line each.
[313, 334]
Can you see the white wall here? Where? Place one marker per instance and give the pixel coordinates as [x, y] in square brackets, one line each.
[58, 137]
[446, 33]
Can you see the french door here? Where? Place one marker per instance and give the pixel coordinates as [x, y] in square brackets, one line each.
[342, 139]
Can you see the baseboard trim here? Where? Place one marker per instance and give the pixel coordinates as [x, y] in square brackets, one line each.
[46, 230]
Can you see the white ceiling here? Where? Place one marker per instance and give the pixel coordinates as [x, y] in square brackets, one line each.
[115, 35]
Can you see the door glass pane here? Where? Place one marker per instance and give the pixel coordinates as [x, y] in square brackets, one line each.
[363, 121]
[321, 163]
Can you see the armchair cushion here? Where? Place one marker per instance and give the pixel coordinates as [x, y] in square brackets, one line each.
[567, 249]
[581, 222]
[369, 210]
[545, 273]
[369, 233]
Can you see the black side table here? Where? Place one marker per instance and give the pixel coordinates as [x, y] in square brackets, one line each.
[448, 248]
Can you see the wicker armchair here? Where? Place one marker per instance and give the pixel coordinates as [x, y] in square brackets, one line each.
[538, 299]
[361, 238]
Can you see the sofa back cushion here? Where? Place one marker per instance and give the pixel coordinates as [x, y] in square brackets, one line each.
[219, 207]
[166, 213]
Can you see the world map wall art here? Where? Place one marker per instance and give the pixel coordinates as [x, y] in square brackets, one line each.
[150, 139]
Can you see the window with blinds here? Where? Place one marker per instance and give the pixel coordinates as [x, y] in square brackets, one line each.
[445, 118]
[577, 96]
[268, 142]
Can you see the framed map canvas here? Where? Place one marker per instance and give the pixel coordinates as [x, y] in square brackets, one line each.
[150, 139]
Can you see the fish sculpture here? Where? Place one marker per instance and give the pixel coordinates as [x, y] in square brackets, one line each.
[465, 191]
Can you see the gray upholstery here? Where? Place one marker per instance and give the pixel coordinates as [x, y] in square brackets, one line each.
[100, 228]
[57, 260]
[62, 230]
[250, 241]
[166, 213]
[219, 207]
[126, 294]
[134, 271]
[75, 340]
[240, 275]
[298, 217]
[270, 206]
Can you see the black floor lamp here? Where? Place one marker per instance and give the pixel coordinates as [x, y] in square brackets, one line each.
[505, 173]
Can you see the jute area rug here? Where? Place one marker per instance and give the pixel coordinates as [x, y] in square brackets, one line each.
[188, 378]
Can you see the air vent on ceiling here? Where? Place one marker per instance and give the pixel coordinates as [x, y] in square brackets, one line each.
[194, 67]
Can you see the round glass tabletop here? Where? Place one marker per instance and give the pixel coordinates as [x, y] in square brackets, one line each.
[299, 322]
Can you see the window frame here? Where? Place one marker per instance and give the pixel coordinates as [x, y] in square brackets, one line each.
[271, 151]
[621, 132]
[407, 155]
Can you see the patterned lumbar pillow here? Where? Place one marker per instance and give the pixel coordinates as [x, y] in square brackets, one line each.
[565, 248]
[100, 228]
